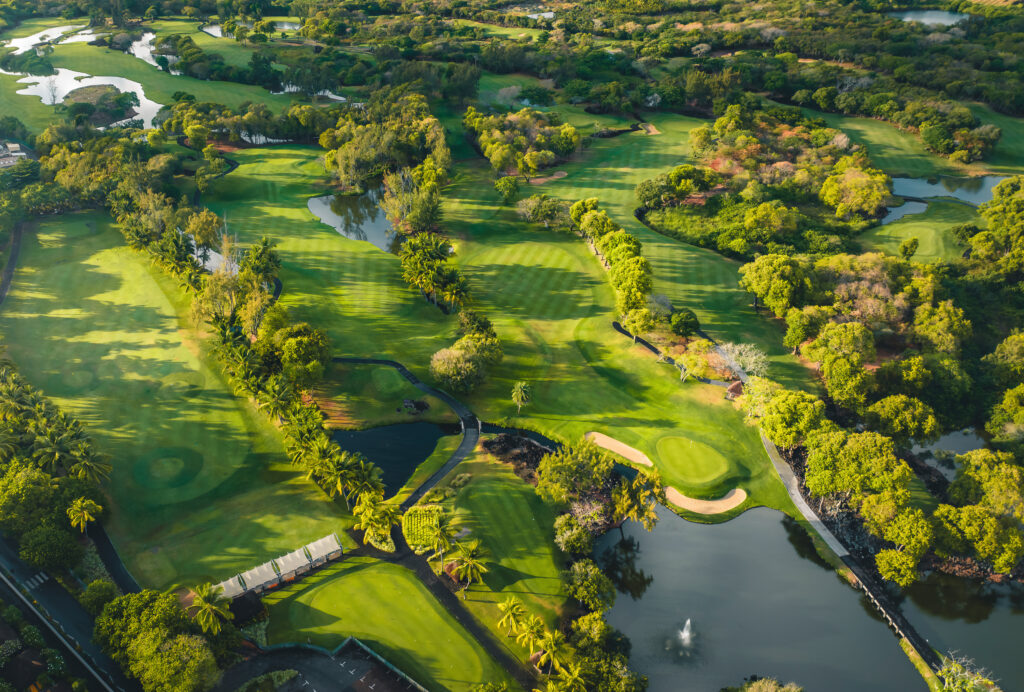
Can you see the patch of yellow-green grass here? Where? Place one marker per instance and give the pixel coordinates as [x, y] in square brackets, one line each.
[160, 86]
[513, 32]
[931, 679]
[1008, 157]
[932, 228]
[446, 446]
[491, 84]
[201, 488]
[387, 608]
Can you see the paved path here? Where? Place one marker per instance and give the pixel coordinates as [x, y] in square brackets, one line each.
[48, 598]
[318, 670]
[470, 424]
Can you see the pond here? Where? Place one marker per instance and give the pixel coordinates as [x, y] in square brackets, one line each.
[357, 217]
[930, 16]
[980, 621]
[976, 190]
[397, 449]
[905, 209]
[707, 605]
[939, 455]
[143, 48]
[87, 36]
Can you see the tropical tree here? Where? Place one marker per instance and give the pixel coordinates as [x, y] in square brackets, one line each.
[521, 394]
[469, 566]
[552, 647]
[277, 397]
[374, 517]
[441, 537]
[82, 511]
[531, 632]
[209, 607]
[512, 614]
[53, 449]
[570, 678]
[90, 465]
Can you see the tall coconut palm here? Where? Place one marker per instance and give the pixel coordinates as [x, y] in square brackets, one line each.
[52, 449]
[552, 646]
[530, 633]
[8, 444]
[276, 398]
[512, 614]
[366, 477]
[374, 516]
[209, 607]
[441, 537]
[520, 394]
[82, 511]
[469, 564]
[90, 465]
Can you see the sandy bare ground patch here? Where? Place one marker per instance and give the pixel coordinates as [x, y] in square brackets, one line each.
[732, 499]
[623, 450]
[549, 178]
[650, 129]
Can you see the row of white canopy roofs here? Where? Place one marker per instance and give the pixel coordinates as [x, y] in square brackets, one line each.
[285, 568]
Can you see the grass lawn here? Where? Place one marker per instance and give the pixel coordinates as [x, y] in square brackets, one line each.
[507, 32]
[233, 52]
[1008, 157]
[365, 396]
[446, 446]
[931, 228]
[386, 607]
[347, 287]
[200, 488]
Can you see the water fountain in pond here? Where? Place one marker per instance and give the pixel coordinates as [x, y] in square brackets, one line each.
[682, 644]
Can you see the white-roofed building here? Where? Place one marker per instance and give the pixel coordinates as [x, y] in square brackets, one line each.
[231, 588]
[324, 550]
[293, 564]
[261, 578]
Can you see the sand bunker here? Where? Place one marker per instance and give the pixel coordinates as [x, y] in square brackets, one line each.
[731, 500]
[623, 450]
[650, 129]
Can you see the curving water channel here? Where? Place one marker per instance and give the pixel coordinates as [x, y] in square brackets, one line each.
[53, 89]
[974, 191]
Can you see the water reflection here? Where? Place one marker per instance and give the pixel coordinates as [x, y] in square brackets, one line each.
[54, 88]
[396, 449]
[975, 190]
[754, 607]
[619, 563]
[905, 209]
[22, 45]
[357, 217]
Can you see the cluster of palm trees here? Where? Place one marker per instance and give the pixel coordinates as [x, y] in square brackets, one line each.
[374, 518]
[531, 633]
[425, 266]
[467, 557]
[33, 429]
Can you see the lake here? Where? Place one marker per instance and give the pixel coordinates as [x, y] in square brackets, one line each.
[707, 605]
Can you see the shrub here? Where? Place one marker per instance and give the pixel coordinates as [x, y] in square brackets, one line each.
[418, 523]
[456, 370]
[12, 616]
[31, 636]
[461, 480]
[48, 547]
[684, 322]
[98, 594]
[571, 537]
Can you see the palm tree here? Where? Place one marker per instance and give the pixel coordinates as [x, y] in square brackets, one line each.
[531, 632]
[440, 537]
[82, 511]
[512, 614]
[276, 397]
[552, 647]
[520, 394]
[570, 678]
[209, 607]
[52, 448]
[90, 465]
[469, 566]
[8, 444]
[374, 516]
[366, 477]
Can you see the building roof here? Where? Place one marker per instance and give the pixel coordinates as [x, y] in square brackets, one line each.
[292, 561]
[231, 588]
[324, 547]
[259, 575]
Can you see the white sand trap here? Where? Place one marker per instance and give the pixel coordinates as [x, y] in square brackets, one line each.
[650, 129]
[731, 500]
[623, 450]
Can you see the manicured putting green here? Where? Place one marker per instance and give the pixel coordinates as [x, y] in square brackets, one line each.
[701, 464]
[386, 607]
[932, 229]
